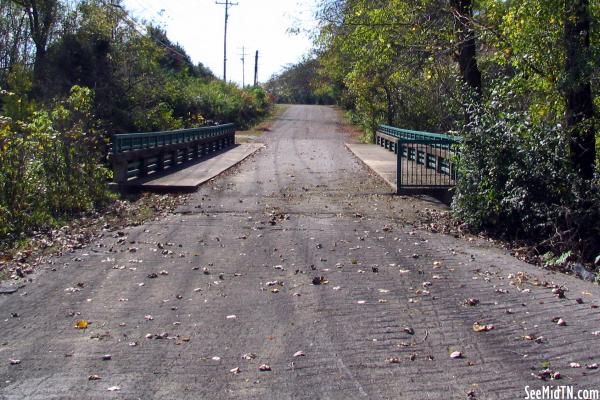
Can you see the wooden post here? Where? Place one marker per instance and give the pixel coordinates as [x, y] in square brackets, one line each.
[120, 169]
[143, 168]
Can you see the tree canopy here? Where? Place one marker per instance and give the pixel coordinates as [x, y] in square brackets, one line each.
[74, 72]
[518, 79]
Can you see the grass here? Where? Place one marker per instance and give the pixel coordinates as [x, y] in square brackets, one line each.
[348, 124]
[4, 274]
[261, 127]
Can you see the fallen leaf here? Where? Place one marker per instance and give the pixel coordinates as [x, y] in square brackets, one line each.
[472, 302]
[547, 374]
[82, 324]
[249, 356]
[264, 368]
[319, 280]
[114, 388]
[477, 327]
[393, 360]
[215, 358]
[532, 337]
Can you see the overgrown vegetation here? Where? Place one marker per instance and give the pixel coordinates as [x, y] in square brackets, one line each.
[74, 72]
[518, 79]
[296, 85]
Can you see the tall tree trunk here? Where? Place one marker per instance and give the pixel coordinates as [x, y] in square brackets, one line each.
[578, 94]
[467, 45]
[42, 15]
[391, 109]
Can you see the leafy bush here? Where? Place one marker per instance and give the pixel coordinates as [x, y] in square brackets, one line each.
[50, 164]
[224, 102]
[516, 181]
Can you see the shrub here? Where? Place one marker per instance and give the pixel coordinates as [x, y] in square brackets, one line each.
[516, 181]
[51, 165]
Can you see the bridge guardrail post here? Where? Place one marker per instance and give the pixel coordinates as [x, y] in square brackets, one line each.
[398, 168]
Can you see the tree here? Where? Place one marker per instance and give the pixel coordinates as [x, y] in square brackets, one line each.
[467, 45]
[578, 94]
[42, 15]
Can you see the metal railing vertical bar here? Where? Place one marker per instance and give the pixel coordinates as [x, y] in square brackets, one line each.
[429, 158]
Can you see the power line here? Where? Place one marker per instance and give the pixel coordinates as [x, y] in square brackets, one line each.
[228, 4]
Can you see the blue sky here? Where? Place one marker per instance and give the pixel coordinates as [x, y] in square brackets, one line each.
[197, 25]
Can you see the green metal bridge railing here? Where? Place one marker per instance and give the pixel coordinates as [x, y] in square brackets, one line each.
[136, 155]
[425, 160]
[139, 141]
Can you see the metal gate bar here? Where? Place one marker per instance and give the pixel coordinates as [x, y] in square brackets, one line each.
[424, 160]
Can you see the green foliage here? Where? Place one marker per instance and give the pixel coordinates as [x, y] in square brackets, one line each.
[225, 102]
[551, 259]
[50, 164]
[302, 83]
[54, 129]
[389, 63]
[396, 62]
[516, 181]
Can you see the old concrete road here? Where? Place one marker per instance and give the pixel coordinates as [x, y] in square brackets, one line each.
[300, 264]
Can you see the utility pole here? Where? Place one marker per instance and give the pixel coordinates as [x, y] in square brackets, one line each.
[227, 5]
[256, 69]
[243, 58]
